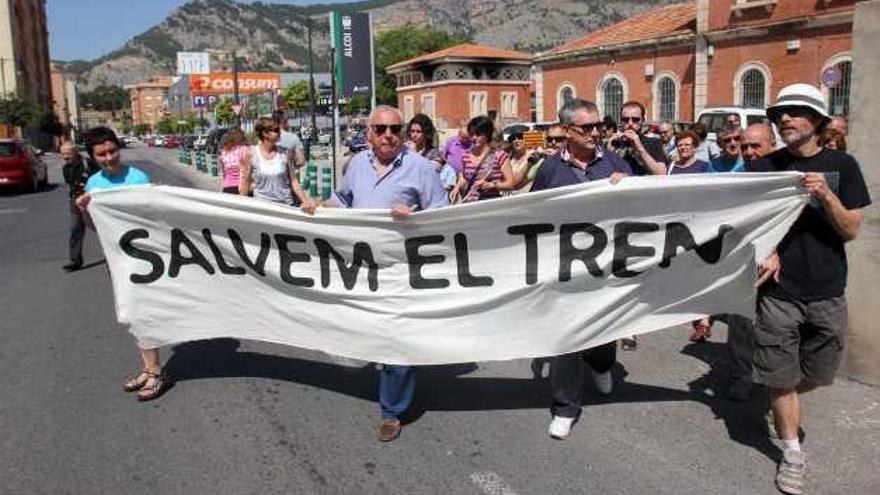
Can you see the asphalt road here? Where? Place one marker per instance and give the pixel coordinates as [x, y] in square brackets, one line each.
[245, 417]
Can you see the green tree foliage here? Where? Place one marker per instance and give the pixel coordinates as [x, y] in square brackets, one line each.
[165, 126]
[16, 111]
[140, 129]
[397, 45]
[357, 105]
[296, 97]
[106, 98]
[49, 123]
[223, 112]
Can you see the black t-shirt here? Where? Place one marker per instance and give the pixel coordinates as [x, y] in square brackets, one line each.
[654, 147]
[812, 256]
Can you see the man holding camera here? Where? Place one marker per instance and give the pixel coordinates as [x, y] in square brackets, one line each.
[644, 154]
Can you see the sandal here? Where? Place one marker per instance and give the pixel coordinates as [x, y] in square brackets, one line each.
[629, 344]
[150, 392]
[135, 383]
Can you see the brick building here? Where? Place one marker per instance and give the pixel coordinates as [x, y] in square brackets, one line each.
[149, 101]
[679, 59]
[463, 81]
[64, 99]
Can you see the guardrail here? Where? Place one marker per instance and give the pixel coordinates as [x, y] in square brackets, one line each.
[316, 177]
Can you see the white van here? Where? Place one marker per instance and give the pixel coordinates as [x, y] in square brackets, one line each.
[714, 119]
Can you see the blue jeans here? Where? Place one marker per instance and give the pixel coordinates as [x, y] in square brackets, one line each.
[397, 385]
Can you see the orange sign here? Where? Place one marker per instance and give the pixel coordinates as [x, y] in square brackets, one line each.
[219, 83]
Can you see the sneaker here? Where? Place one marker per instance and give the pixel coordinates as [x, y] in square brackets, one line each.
[738, 390]
[560, 427]
[604, 382]
[791, 475]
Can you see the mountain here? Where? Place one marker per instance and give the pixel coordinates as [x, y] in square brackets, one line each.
[273, 37]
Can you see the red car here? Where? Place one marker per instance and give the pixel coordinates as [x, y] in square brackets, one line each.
[21, 166]
[172, 142]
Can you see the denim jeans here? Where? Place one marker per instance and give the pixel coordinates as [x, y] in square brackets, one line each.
[397, 385]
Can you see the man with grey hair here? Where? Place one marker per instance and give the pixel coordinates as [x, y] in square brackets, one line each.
[730, 159]
[758, 141]
[582, 159]
[76, 173]
[388, 175]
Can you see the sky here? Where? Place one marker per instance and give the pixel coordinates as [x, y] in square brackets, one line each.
[87, 29]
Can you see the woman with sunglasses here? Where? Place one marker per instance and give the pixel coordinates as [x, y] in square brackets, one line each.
[267, 171]
[481, 165]
[516, 166]
[421, 134]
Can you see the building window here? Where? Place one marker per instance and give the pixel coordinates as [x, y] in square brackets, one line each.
[408, 104]
[838, 96]
[509, 104]
[428, 105]
[478, 103]
[752, 86]
[612, 97]
[667, 98]
[564, 95]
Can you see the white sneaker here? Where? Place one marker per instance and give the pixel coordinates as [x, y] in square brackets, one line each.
[560, 427]
[604, 382]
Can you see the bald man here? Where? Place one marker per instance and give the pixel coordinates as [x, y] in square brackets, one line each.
[758, 141]
[76, 173]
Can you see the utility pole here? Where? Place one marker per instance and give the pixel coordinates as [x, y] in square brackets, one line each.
[335, 103]
[312, 110]
[235, 87]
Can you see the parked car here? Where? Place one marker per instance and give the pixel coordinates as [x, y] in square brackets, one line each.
[714, 119]
[21, 166]
[171, 142]
[159, 141]
[200, 142]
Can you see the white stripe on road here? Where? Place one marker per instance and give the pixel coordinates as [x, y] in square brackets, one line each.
[13, 210]
[491, 483]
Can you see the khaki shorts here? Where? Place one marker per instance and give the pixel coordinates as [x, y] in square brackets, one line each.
[799, 341]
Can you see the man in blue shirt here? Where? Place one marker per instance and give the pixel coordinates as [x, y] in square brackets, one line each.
[582, 160]
[389, 175]
[103, 148]
[731, 159]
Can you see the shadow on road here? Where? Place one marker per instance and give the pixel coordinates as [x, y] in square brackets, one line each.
[221, 358]
[744, 420]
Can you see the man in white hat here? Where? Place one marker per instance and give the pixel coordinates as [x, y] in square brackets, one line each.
[802, 313]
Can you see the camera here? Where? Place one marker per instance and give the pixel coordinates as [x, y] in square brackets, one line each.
[621, 142]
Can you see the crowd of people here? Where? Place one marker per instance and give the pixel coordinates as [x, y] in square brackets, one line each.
[794, 345]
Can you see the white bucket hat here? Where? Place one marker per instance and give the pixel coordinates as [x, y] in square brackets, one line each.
[799, 95]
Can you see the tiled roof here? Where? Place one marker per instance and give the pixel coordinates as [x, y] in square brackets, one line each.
[466, 50]
[665, 21]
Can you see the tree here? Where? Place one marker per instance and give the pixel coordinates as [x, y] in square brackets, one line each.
[49, 123]
[223, 112]
[106, 98]
[140, 129]
[17, 112]
[296, 97]
[356, 105]
[397, 45]
[165, 126]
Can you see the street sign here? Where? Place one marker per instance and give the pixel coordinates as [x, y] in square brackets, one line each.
[193, 63]
[831, 77]
[236, 108]
[352, 37]
[218, 83]
[200, 101]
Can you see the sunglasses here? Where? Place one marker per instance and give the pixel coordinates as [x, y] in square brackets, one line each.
[515, 137]
[634, 120]
[381, 128]
[731, 138]
[555, 139]
[587, 128]
[792, 111]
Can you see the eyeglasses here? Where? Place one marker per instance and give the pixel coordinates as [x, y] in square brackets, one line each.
[634, 120]
[731, 138]
[381, 128]
[588, 127]
[555, 139]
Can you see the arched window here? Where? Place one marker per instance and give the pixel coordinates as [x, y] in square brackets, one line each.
[838, 96]
[564, 95]
[752, 89]
[612, 98]
[667, 95]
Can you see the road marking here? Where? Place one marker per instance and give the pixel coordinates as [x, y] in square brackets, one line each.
[491, 483]
[13, 210]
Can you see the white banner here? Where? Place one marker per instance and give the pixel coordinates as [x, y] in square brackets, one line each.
[539, 274]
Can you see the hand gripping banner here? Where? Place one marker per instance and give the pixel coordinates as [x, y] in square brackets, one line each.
[539, 274]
